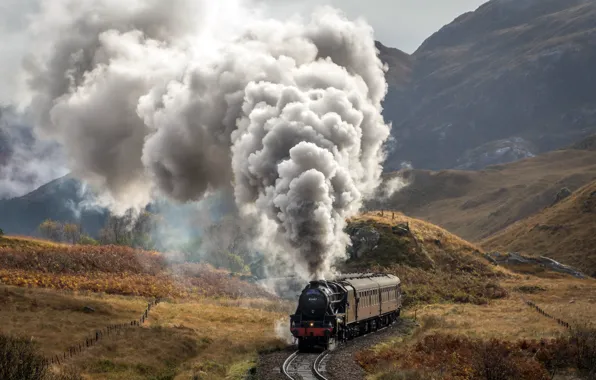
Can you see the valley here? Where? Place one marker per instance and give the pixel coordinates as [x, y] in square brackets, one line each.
[200, 190]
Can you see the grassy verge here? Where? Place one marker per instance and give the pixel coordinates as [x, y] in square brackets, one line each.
[204, 338]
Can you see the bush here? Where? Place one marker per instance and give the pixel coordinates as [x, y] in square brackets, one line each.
[583, 338]
[20, 360]
[1, 232]
[88, 240]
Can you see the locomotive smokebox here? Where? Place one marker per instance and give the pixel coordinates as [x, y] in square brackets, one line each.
[313, 303]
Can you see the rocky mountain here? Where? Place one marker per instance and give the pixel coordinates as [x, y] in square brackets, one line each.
[58, 200]
[510, 80]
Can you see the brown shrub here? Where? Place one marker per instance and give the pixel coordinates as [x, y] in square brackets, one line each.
[458, 357]
[80, 259]
[425, 287]
[583, 341]
[20, 360]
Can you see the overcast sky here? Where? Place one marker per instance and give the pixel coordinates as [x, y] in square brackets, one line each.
[398, 23]
[403, 24]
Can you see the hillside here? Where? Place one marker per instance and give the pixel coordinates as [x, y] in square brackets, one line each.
[399, 65]
[477, 204]
[512, 77]
[565, 232]
[433, 264]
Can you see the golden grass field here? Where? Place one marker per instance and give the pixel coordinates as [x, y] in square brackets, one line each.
[210, 338]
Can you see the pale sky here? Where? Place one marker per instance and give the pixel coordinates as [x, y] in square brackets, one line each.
[404, 24]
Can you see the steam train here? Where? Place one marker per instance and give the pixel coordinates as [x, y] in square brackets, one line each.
[344, 308]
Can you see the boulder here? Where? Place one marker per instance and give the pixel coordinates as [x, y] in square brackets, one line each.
[562, 194]
[402, 229]
[88, 309]
[364, 240]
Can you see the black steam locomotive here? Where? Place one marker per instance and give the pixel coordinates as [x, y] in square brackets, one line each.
[345, 308]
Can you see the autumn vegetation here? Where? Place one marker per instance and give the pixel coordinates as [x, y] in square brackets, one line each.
[114, 269]
[460, 357]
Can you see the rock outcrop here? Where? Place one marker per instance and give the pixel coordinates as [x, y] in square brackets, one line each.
[364, 239]
[514, 258]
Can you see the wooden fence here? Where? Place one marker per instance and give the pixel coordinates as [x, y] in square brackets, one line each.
[98, 335]
[544, 313]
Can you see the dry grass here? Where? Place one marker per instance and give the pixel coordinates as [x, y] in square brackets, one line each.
[425, 232]
[572, 300]
[565, 232]
[202, 339]
[504, 321]
[477, 204]
[57, 319]
[211, 339]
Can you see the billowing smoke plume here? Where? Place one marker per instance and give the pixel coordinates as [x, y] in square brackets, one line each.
[286, 114]
[25, 161]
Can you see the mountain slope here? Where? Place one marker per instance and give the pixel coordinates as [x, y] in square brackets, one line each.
[399, 64]
[476, 204]
[565, 232]
[517, 72]
[56, 200]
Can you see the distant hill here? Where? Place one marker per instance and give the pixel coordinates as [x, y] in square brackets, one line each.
[57, 200]
[477, 204]
[513, 79]
[565, 232]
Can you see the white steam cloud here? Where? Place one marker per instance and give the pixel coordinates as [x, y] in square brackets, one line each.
[392, 186]
[188, 97]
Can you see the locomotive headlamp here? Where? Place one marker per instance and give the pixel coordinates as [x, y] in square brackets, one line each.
[312, 324]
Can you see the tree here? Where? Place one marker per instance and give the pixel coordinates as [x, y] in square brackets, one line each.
[129, 230]
[116, 230]
[72, 233]
[52, 230]
[142, 230]
[1, 232]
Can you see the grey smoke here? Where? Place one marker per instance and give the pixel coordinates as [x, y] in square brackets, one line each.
[287, 115]
[26, 162]
[91, 62]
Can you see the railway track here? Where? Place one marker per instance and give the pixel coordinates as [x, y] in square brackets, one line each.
[305, 366]
[309, 366]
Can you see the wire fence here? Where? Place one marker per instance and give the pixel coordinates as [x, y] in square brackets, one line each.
[101, 334]
[544, 313]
